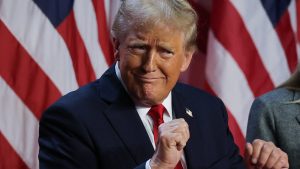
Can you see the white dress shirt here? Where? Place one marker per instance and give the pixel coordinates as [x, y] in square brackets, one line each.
[147, 120]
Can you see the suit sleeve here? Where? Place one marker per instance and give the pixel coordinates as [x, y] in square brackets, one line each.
[261, 124]
[63, 142]
[235, 159]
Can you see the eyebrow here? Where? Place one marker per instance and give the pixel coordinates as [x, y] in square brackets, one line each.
[137, 39]
[137, 42]
[165, 46]
[140, 39]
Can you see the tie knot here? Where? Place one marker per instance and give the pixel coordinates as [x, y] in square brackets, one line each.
[156, 113]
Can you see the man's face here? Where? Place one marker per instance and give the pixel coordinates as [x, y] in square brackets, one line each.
[150, 61]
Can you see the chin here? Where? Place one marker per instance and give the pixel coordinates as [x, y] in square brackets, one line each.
[148, 103]
[147, 100]
[147, 95]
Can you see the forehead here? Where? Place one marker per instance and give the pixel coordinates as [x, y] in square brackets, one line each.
[159, 31]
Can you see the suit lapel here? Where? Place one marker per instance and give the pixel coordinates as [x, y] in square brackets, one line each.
[297, 97]
[127, 123]
[124, 118]
[192, 148]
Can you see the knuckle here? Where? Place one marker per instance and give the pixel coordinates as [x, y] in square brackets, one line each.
[285, 155]
[284, 161]
[182, 131]
[179, 137]
[182, 120]
[164, 137]
[257, 142]
[186, 125]
[279, 165]
[270, 143]
[267, 148]
[276, 153]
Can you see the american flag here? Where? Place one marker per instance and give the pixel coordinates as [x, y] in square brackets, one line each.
[253, 47]
[51, 47]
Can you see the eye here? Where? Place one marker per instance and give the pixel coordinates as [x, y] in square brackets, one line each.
[138, 48]
[166, 52]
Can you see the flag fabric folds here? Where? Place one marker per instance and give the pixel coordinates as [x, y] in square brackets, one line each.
[51, 47]
[47, 49]
[253, 47]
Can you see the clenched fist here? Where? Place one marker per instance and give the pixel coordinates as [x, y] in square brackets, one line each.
[173, 137]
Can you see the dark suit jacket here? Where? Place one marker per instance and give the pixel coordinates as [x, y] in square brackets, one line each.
[97, 126]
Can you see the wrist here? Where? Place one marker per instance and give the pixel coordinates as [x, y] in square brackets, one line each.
[158, 164]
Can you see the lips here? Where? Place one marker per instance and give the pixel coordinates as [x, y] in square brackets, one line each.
[147, 79]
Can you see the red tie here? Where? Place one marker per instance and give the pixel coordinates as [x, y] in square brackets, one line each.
[156, 113]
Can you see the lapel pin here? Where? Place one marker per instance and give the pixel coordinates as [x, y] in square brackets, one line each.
[189, 112]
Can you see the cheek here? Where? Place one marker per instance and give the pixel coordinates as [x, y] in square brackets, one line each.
[172, 69]
[130, 61]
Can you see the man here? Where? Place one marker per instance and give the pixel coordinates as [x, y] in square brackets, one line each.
[137, 115]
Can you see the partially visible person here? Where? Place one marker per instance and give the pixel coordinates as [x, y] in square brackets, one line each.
[275, 117]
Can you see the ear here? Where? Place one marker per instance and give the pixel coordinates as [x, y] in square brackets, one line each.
[116, 45]
[188, 55]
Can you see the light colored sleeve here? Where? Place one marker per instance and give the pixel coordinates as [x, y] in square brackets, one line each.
[261, 123]
[147, 166]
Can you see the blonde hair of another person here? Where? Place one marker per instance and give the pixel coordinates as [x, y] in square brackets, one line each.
[141, 14]
[293, 82]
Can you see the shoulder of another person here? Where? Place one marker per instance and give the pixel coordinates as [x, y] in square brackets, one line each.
[277, 96]
[273, 103]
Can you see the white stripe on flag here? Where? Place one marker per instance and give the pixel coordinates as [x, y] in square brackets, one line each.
[87, 24]
[38, 36]
[293, 17]
[19, 126]
[228, 81]
[298, 51]
[107, 4]
[255, 18]
[113, 11]
[293, 14]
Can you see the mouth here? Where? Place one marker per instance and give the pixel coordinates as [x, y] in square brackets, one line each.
[147, 79]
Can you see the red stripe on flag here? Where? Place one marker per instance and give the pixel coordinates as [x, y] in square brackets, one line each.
[298, 20]
[226, 22]
[9, 157]
[24, 75]
[103, 32]
[80, 59]
[239, 139]
[287, 39]
[233, 126]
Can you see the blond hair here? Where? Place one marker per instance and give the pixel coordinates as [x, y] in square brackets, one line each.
[146, 13]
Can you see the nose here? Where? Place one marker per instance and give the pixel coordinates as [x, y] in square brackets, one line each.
[149, 63]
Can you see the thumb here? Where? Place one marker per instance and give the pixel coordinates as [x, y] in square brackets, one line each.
[249, 150]
[248, 154]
